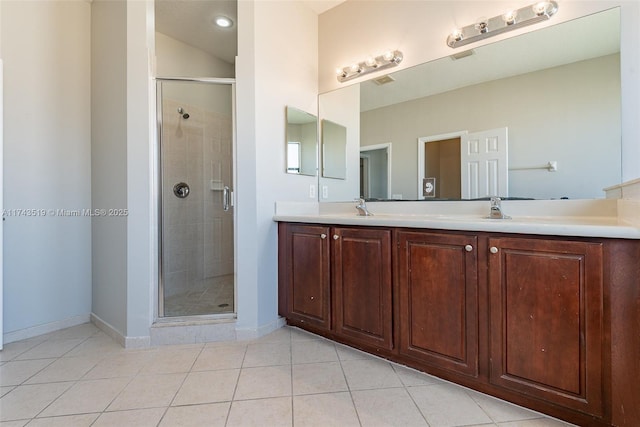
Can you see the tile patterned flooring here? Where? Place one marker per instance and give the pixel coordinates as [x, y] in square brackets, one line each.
[208, 296]
[80, 377]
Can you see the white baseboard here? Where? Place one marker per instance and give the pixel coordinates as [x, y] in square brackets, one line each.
[250, 334]
[35, 331]
[108, 329]
[162, 333]
[188, 332]
[126, 342]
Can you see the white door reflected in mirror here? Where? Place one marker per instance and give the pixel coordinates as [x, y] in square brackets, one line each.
[484, 164]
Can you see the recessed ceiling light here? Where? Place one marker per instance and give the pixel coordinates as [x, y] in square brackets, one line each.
[223, 22]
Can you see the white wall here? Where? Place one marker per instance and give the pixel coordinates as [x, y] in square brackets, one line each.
[109, 160]
[177, 59]
[1, 184]
[47, 164]
[124, 175]
[276, 67]
[356, 29]
[141, 222]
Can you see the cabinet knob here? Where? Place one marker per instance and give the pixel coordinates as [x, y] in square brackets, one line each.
[323, 236]
[493, 250]
[468, 248]
[312, 298]
[336, 237]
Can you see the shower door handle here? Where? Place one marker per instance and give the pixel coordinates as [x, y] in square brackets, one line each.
[226, 198]
[181, 190]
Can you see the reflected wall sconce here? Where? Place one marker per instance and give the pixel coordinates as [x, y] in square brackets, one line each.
[537, 12]
[387, 60]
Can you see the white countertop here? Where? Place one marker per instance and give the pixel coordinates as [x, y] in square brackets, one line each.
[589, 218]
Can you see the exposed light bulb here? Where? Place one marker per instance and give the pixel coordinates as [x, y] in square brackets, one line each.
[371, 62]
[355, 68]
[482, 26]
[341, 72]
[457, 34]
[509, 17]
[540, 8]
[388, 55]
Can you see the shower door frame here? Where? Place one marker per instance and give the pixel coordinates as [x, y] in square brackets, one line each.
[160, 317]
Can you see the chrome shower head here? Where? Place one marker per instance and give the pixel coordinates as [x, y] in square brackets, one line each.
[184, 114]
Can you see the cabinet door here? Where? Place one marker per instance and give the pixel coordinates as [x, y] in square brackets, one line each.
[362, 284]
[304, 269]
[546, 320]
[439, 299]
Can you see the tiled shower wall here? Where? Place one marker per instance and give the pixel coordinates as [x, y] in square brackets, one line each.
[197, 233]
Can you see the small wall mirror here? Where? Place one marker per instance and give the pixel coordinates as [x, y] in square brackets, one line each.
[334, 150]
[302, 142]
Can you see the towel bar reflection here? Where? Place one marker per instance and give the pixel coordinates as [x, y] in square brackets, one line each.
[552, 166]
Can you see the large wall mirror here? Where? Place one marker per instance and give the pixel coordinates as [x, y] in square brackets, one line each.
[302, 142]
[552, 94]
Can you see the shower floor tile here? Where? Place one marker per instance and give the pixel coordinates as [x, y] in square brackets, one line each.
[209, 296]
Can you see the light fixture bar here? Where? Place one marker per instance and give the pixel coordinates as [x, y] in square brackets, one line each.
[537, 12]
[389, 59]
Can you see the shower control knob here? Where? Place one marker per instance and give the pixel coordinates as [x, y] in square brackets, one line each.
[181, 190]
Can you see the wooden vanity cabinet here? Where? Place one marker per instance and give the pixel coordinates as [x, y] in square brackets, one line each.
[546, 320]
[337, 282]
[438, 299]
[361, 275]
[303, 261]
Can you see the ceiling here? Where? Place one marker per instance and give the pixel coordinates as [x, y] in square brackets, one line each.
[191, 22]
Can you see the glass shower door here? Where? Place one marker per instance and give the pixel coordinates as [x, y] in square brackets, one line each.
[196, 212]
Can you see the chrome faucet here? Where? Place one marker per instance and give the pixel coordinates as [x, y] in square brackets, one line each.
[496, 209]
[362, 208]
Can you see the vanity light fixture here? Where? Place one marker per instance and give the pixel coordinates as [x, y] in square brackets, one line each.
[386, 60]
[537, 12]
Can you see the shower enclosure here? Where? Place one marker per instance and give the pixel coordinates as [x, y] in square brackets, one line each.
[196, 264]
